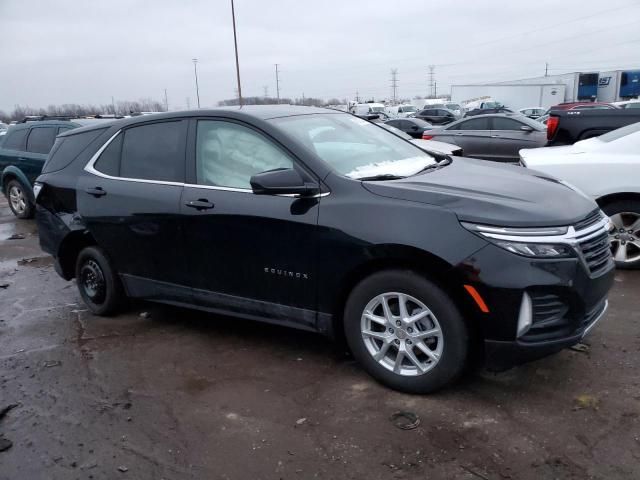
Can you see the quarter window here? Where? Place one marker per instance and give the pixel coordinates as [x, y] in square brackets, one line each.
[154, 152]
[41, 139]
[109, 161]
[16, 139]
[228, 154]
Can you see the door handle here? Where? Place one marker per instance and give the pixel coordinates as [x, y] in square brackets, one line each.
[459, 133]
[200, 204]
[96, 192]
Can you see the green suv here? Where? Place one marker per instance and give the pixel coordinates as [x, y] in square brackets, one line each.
[23, 151]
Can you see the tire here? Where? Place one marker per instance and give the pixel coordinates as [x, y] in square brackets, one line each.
[449, 351]
[19, 202]
[98, 283]
[625, 239]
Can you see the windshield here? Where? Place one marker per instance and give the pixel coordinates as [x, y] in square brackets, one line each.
[453, 106]
[395, 130]
[354, 147]
[376, 109]
[619, 133]
[409, 108]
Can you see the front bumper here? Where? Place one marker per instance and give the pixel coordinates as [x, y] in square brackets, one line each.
[567, 301]
[502, 355]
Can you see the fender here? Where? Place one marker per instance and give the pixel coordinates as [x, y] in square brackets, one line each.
[14, 172]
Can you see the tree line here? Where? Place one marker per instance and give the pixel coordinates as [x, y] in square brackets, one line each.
[307, 101]
[121, 107]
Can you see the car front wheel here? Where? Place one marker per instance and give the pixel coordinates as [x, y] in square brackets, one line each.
[98, 282]
[406, 332]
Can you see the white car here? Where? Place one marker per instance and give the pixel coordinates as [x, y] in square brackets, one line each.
[401, 111]
[606, 168]
[533, 112]
[628, 104]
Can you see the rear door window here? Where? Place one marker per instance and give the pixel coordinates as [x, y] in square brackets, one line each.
[41, 139]
[109, 161]
[16, 139]
[475, 124]
[154, 152]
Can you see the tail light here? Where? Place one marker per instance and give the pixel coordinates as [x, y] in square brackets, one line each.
[426, 137]
[552, 127]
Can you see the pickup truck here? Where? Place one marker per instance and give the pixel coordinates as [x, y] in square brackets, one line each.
[569, 126]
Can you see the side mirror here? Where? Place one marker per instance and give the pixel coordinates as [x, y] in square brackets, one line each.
[283, 181]
[526, 128]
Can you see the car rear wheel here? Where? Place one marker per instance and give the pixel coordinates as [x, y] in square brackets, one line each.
[406, 332]
[98, 282]
[625, 236]
[19, 202]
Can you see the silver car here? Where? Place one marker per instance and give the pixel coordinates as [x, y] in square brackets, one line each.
[497, 137]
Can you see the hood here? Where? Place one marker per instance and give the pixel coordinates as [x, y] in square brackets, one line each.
[491, 193]
[540, 156]
[435, 146]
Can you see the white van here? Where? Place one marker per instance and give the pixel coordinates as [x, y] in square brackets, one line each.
[401, 111]
[366, 108]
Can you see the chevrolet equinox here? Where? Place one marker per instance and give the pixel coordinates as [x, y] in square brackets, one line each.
[323, 221]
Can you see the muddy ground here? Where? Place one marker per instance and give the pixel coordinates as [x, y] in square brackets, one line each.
[177, 394]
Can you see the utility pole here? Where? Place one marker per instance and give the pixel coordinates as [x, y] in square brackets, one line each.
[546, 69]
[188, 102]
[113, 104]
[431, 80]
[302, 98]
[435, 88]
[235, 43]
[394, 84]
[195, 71]
[277, 85]
[357, 96]
[266, 91]
[166, 101]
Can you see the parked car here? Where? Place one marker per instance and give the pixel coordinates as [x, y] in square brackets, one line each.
[366, 108]
[607, 168]
[437, 116]
[401, 111]
[456, 108]
[427, 145]
[543, 119]
[628, 104]
[497, 136]
[583, 106]
[3, 128]
[23, 151]
[486, 111]
[533, 112]
[411, 126]
[319, 220]
[567, 127]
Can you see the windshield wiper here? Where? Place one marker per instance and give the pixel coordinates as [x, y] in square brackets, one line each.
[436, 166]
[384, 176]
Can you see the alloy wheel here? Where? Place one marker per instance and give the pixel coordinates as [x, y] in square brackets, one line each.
[402, 334]
[625, 237]
[17, 199]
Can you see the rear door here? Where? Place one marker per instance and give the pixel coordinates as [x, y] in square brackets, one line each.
[508, 138]
[13, 146]
[130, 200]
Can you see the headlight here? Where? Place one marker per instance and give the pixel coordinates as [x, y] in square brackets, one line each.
[529, 242]
[36, 189]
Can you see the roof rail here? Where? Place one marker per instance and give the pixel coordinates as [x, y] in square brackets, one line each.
[37, 118]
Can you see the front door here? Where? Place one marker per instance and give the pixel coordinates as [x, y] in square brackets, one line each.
[508, 138]
[253, 254]
[130, 201]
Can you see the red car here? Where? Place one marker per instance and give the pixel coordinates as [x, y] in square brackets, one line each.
[582, 106]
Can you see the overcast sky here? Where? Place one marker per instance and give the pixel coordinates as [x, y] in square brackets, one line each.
[79, 51]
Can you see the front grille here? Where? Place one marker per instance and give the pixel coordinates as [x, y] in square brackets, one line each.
[591, 219]
[597, 253]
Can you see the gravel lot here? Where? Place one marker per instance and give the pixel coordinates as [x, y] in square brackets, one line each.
[162, 392]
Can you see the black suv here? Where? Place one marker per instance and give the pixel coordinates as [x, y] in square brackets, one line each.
[323, 221]
[437, 116]
[23, 151]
